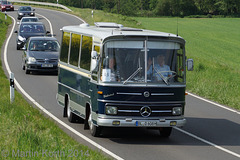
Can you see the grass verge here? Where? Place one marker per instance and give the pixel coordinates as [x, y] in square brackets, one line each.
[27, 134]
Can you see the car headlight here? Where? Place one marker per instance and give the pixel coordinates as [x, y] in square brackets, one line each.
[21, 14]
[31, 59]
[20, 38]
[32, 13]
[111, 110]
[3, 6]
[177, 111]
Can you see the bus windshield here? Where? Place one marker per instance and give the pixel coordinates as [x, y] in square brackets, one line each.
[142, 62]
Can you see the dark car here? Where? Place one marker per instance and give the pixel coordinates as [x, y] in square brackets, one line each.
[41, 54]
[29, 29]
[25, 11]
[6, 6]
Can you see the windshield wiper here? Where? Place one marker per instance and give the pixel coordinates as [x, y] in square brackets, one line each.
[133, 75]
[165, 80]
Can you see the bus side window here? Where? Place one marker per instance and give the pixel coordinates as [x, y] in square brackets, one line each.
[65, 47]
[75, 48]
[86, 52]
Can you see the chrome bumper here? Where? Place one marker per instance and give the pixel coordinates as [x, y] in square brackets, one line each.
[128, 122]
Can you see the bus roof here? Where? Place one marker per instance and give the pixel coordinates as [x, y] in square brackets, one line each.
[104, 30]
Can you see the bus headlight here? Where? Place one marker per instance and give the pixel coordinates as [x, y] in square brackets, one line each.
[177, 111]
[111, 110]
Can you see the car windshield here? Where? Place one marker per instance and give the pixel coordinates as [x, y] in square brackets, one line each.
[131, 62]
[44, 45]
[25, 9]
[32, 28]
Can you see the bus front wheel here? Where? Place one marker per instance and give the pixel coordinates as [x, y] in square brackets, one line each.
[95, 130]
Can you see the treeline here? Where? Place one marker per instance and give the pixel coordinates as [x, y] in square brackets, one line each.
[159, 7]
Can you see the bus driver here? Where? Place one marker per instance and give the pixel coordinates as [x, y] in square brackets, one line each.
[159, 67]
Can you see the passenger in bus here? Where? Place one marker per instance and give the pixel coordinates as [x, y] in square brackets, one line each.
[115, 76]
[110, 72]
[159, 67]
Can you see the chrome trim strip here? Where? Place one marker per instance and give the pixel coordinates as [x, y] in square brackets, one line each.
[135, 94]
[130, 111]
[162, 94]
[74, 90]
[162, 111]
[137, 102]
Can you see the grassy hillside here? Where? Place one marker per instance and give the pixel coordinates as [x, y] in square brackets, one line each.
[26, 134]
[213, 43]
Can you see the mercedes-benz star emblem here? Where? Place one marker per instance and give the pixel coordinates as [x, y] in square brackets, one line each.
[145, 111]
[146, 94]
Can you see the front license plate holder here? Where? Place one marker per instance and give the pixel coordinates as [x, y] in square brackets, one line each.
[146, 123]
[47, 65]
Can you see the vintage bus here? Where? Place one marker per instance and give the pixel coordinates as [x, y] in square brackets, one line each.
[115, 76]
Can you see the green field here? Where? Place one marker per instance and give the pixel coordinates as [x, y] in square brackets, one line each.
[213, 43]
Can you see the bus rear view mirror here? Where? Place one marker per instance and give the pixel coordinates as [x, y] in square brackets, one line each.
[94, 54]
[190, 64]
[94, 60]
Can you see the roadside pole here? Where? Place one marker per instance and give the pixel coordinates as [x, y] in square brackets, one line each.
[12, 96]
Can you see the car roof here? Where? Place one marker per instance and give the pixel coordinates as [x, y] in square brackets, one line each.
[25, 6]
[29, 17]
[42, 38]
[32, 23]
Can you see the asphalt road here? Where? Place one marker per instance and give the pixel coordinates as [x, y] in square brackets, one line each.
[211, 132]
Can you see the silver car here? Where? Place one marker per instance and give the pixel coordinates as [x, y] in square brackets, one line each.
[41, 54]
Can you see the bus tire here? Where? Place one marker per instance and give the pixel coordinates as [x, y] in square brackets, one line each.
[70, 115]
[165, 131]
[94, 130]
[65, 106]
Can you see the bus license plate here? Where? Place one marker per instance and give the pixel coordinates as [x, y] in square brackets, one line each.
[147, 123]
[47, 65]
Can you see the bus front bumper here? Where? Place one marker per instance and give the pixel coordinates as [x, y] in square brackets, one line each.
[128, 122]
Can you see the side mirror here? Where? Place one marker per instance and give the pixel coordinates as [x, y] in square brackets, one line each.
[190, 64]
[47, 32]
[94, 60]
[33, 9]
[94, 54]
[16, 32]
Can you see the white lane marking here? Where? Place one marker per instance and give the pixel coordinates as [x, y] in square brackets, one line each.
[47, 112]
[214, 103]
[207, 142]
[50, 24]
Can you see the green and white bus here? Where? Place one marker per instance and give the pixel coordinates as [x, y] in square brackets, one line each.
[115, 76]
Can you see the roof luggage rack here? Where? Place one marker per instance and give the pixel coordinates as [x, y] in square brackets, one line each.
[108, 25]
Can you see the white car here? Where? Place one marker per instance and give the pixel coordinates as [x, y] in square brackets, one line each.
[28, 19]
